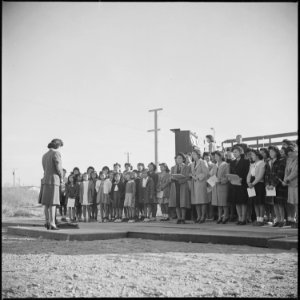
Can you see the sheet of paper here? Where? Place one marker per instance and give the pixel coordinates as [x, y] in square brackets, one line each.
[212, 180]
[251, 192]
[178, 176]
[271, 193]
[160, 194]
[234, 179]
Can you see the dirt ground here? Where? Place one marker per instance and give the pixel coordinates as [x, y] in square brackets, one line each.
[143, 268]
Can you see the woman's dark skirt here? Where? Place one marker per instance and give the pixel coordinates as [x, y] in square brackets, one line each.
[260, 192]
[238, 194]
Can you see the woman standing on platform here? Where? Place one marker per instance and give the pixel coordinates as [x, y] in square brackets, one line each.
[274, 176]
[220, 189]
[53, 178]
[163, 190]
[179, 193]
[199, 195]
[152, 173]
[255, 179]
[291, 180]
[240, 167]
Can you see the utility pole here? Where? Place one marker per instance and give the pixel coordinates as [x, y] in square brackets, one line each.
[155, 130]
[127, 153]
[14, 177]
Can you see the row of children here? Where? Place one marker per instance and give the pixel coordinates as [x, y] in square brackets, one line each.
[111, 192]
[139, 191]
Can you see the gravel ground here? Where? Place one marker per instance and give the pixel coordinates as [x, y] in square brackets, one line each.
[143, 268]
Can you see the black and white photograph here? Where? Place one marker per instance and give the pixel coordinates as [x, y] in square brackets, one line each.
[149, 149]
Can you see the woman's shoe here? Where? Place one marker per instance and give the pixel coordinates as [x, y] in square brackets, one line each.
[53, 227]
[183, 222]
[275, 224]
[219, 221]
[243, 223]
[225, 221]
[167, 219]
[280, 224]
[47, 225]
[201, 221]
[238, 223]
[178, 221]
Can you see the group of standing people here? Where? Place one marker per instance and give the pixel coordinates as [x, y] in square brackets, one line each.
[134, 195]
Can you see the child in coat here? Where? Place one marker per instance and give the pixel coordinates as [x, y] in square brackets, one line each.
[100, 195]
[117, 196]
[129, 203]
[84, 198]
[72, 193]
[146, 194]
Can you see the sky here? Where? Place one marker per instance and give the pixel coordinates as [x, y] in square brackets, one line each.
[89, 73]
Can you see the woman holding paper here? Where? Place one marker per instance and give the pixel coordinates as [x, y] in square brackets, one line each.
[238, 188]
[220, 189]
[274, 175]
[179, 192]
[199, 195]
[255, 180]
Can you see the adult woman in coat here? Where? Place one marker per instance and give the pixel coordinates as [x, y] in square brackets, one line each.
[53, 177]
[291, 180]
[221, 188]
[179, 192]
[240, 167]
[199, 197]
[274, 176]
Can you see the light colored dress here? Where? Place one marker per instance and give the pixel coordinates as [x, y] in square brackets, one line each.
[291, 174]
[221, 188]
[199, 193]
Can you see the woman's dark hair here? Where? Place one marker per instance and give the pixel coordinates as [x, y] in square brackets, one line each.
[154, 166]
[257, 153]
[70, 177]
[90, 168]
[276, 150]
[117, 174]
[286, 141]
[182, 155]
[94, 172]
[76, 168]
[266, 151]
[141, 164]
[290, 148]
[55, 144]
[105, 168]
[129, 165]
[238, 148]
[117, 164]
[210, 137]
[198, 152]
[205, 154]
[220, 154]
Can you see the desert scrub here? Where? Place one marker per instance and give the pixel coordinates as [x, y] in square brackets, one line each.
[20, 201]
